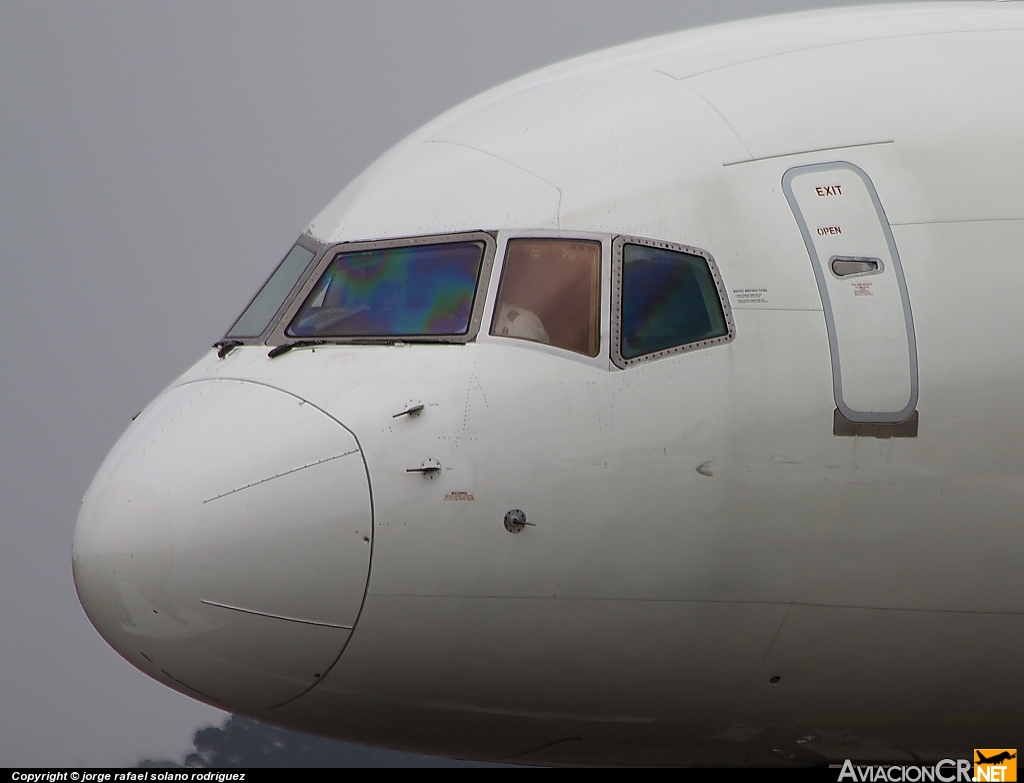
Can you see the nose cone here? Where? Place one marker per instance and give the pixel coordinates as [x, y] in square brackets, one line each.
[224, 546]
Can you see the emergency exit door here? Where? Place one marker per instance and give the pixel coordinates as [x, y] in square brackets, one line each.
[863, 291]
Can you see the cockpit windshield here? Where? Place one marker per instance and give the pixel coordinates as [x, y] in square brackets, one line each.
[419, 290]
[264, 306]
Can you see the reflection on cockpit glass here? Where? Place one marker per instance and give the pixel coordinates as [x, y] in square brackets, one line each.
[669, 299]
[550, 293]
[421, 290]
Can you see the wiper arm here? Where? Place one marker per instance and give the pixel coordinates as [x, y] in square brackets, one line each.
[277, 350]
[224, 347]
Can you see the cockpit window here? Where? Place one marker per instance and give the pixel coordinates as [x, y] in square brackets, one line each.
[405, 291]
[264, 306]
[671, 299]
[550, 293]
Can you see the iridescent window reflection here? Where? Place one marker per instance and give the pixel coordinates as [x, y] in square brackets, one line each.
[669, 299]
[405, 291]
[551, 293]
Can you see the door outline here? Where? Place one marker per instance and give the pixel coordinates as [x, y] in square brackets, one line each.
[892, 417]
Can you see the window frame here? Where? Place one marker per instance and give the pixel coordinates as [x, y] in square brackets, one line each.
[306, 242]
[491, 268]
[278, 334]
[504, 237]
[597, 309]
[615, 352]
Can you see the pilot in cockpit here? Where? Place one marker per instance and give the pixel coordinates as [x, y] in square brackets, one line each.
[550, 293]
[519, 322]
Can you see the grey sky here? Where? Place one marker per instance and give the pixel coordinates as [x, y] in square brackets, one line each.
[156, 161]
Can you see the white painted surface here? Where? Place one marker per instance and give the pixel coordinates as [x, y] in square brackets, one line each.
[442, 187]
[177, 528]
[874, 357]
[698, 529]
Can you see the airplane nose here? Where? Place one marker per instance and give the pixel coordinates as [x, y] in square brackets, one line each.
[224, 545]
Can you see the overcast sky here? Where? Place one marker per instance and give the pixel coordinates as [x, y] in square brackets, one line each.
[156, 161]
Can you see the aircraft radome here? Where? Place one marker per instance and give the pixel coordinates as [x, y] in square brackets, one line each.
[662, 406]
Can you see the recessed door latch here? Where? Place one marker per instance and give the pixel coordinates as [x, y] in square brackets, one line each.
[844, 266]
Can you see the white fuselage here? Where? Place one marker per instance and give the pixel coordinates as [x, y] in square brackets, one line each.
[713, 570]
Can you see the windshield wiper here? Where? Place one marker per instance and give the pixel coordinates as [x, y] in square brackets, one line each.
[224, 347]
[277, 350]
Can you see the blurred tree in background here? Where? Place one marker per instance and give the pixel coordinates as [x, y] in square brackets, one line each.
[242, 742]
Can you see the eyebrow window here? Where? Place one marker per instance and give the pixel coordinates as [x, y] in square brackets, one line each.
[670, 300]
[405, 291]
[550, 293]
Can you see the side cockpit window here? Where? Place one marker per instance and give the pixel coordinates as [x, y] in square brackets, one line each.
[668, 299]
[550, 293]
[264, 306]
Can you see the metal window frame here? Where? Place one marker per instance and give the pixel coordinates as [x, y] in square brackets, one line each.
[504, 236]
[306, 242]
[604, 241]
[483, 302]
[279, 335]
[618, 360]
